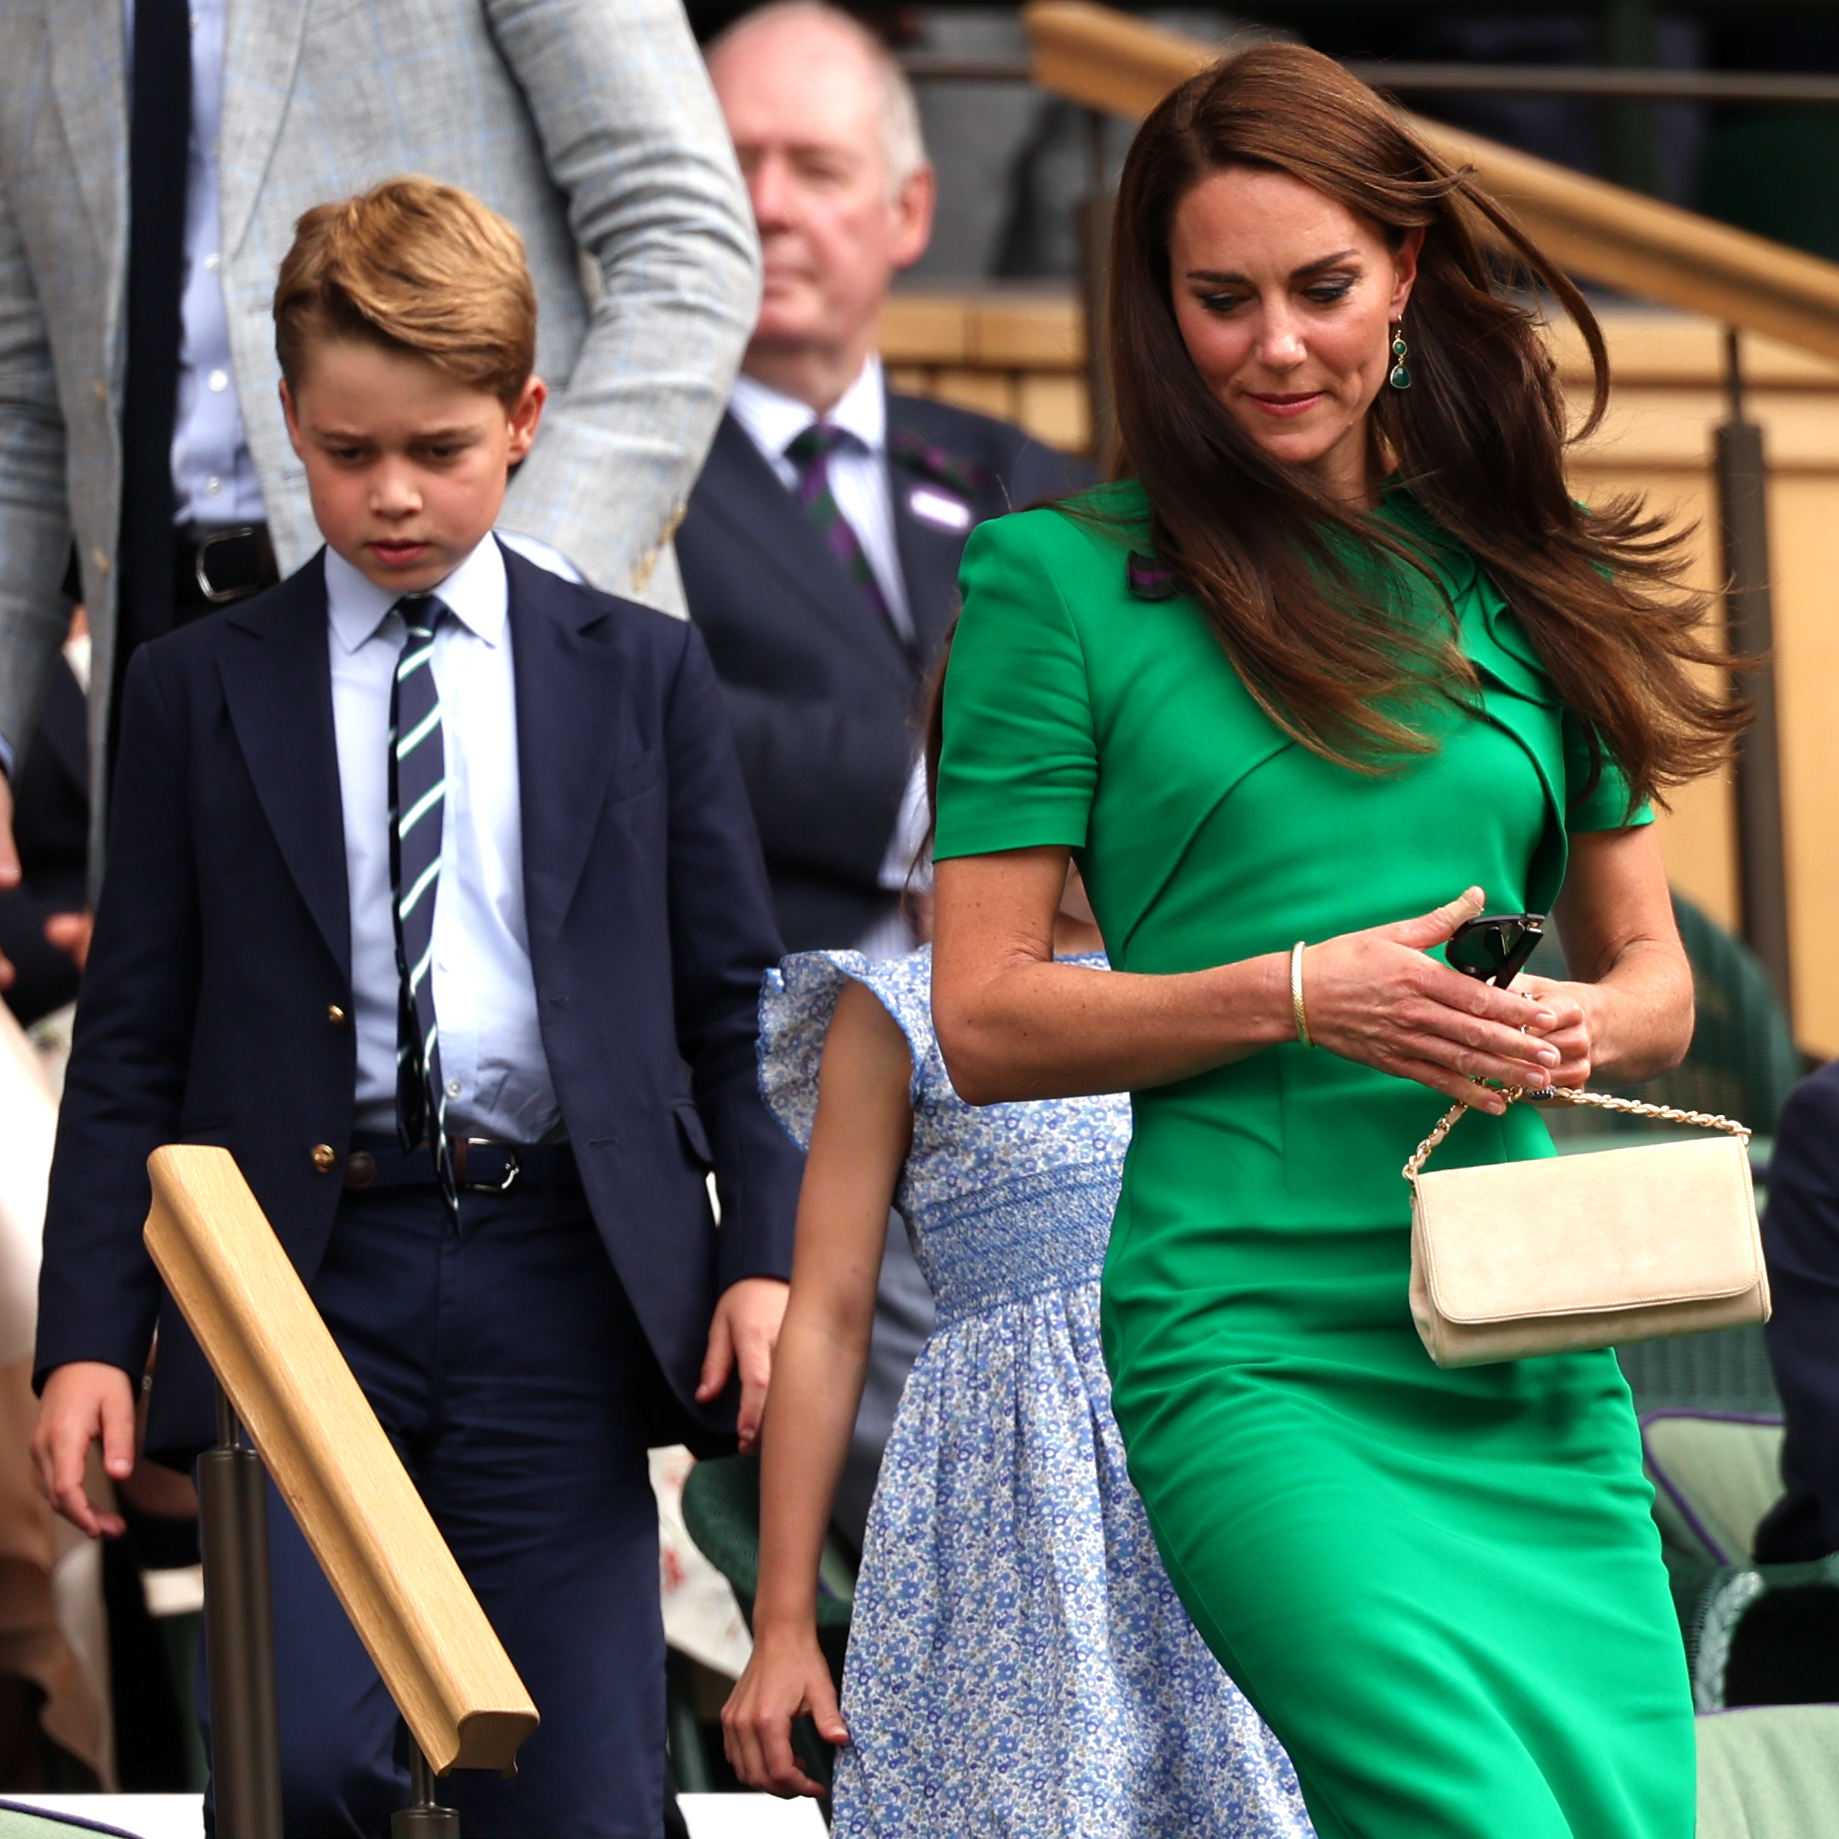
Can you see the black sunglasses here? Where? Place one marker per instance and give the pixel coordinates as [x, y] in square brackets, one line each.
[1495, 947]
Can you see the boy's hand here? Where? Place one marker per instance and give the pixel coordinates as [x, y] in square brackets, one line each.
[84, 1400]
[743, 1334]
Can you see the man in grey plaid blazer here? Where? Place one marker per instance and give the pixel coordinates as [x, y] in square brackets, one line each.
[589, 123]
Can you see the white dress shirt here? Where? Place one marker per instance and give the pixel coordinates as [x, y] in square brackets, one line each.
[491, 1043]
[858, 468]
[213, 476]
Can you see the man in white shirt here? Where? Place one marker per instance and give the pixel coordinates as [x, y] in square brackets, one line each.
[820, 553]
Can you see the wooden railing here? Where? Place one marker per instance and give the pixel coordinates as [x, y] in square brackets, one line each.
[333, 1464]
[1112, 62]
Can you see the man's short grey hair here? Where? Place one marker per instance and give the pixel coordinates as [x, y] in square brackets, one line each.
[903, 148]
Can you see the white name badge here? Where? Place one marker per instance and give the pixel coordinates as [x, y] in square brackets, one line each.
[939, 509]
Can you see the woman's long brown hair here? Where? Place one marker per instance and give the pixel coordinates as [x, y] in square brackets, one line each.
[1479, 438]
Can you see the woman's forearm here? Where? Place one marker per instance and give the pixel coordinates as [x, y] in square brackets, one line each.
[1641, 1013]
[1615, 916]
[1034, 1030]
[818, 1373]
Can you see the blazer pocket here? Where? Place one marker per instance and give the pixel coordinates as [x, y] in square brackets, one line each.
[690, 1128]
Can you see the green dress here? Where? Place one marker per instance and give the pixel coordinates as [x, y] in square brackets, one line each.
[1443, 1590]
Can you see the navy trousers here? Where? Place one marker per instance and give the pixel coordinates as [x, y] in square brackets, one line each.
[507, 1367]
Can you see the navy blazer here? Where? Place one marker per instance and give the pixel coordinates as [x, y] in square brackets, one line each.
[215, 1005]
[822, 693]
[1800, 1240]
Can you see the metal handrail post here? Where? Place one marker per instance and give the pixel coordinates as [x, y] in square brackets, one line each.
[1743, 508]
[1628, 43]
[239, 1633]
[427, 1819]
[1095, 211]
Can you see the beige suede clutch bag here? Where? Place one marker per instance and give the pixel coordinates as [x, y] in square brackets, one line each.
[1516, 1259]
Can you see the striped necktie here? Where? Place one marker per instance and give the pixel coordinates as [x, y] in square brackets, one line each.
[417, 788]
[810, 453]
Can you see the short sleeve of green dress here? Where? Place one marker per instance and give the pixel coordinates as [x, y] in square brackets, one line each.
[1443, 1590]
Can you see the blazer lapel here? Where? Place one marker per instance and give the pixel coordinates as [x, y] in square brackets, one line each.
[565, 706]
[930, 537]
[739, 489]
[89, 66]
[278, 685]
[262, 40]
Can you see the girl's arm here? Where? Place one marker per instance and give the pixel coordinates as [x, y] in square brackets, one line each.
[1629, 1013]
[859, 1141]
[1015, 1025]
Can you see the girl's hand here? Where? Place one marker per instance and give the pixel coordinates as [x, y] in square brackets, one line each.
[1375, 998]
[1570, 1032]
[786, 1677]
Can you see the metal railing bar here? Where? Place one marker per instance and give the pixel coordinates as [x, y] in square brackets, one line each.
[924, 69]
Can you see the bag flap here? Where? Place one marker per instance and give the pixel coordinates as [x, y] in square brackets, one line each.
[1571, 1235]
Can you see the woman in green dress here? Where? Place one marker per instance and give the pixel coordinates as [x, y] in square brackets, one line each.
[1338, 659]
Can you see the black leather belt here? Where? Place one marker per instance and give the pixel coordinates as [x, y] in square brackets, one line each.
[480, 1165]
[219, 566]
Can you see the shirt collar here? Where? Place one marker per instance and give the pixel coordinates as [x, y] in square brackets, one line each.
[476, 593]
[774, 420]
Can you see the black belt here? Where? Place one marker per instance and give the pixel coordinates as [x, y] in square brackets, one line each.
[480, 1165]
[215, 567]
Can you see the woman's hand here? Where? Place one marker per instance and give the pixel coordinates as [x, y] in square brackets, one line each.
[1375, 998]
[787, 1677]
[1572, 1029]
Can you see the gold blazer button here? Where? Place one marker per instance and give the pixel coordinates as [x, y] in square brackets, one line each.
[325, 1158]
[335, 1015]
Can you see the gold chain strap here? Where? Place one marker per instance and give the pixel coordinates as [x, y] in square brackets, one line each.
[1706, 1120]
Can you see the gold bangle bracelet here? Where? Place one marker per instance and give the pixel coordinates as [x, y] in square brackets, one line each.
[1296, 993]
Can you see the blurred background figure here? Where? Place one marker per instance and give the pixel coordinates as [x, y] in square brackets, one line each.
[43, 929]
[820, 552]
[1800, 1234]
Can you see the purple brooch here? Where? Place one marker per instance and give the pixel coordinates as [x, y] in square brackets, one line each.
[1150, 579]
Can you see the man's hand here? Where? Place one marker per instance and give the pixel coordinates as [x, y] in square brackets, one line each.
[71, 932]
[85, 1400]
[743, 1334]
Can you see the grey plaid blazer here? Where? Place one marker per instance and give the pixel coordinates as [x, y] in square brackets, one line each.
[589, 123]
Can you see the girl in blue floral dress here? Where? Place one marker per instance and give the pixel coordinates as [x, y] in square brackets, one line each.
[1018, 1662]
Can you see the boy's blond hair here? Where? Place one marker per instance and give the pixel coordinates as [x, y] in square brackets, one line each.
[413, 266]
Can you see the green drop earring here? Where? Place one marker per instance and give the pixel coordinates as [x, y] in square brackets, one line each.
[1400, 379]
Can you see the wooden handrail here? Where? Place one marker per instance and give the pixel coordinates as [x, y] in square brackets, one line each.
[1110, 61]
[335, 1467]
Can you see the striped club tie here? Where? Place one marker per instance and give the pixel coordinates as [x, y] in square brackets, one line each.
[417, 788]
[810, 452]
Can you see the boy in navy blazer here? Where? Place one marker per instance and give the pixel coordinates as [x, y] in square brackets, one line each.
[434, 896]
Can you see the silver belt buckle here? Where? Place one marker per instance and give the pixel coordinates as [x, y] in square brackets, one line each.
[512, 1169]
[220, 596]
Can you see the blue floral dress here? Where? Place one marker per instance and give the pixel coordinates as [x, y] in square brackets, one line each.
[1018, 1662]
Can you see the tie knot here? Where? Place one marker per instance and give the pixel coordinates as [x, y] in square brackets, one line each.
[815, 443]
[421, 613]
